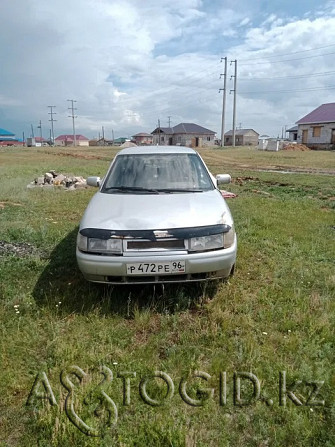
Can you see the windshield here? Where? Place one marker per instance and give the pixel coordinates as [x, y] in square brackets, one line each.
[157, 173]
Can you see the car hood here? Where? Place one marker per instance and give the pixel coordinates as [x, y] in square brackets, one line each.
[155, 211]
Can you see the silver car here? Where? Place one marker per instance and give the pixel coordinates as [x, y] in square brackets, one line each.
[158, 217]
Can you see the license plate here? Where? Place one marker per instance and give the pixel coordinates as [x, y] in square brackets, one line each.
[156, 268]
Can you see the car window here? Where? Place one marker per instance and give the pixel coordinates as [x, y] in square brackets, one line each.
[158, 172]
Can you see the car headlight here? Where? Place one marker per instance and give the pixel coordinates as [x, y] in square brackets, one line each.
[95, 245]
[203, 243]
[104, 245]
[229, 237]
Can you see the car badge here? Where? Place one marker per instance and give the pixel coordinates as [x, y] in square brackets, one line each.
[162, 233]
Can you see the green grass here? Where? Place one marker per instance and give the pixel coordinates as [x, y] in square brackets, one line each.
[276, 314]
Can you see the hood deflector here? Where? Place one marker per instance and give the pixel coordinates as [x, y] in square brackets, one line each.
[153, 235]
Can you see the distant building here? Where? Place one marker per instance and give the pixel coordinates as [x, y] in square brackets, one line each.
[68, 140]
[101, 142]
[243, 137]
[293, 133]
[39, 141]
[8, 138]
[142, 138]
[184, 134]
[317, 129]
[120, 140]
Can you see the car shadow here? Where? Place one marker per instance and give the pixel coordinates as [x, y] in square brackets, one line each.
[62, 286]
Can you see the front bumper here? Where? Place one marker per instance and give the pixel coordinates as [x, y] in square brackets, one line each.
[198, 266]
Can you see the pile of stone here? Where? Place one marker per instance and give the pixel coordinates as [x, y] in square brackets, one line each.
[52, 178]
[295, 147]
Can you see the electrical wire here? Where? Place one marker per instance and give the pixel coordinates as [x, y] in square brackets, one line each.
[287, 54]
[289, 60]
[330, 87]
[325, 73]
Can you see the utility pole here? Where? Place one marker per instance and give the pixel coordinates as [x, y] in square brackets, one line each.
[73, 116]
[32, 131]
[103, 136]
[23, 138]
[52, 113]
[224, 98]
[40, 127]
[159, 132]
[169, 118]
[113, 136]
[234, 106]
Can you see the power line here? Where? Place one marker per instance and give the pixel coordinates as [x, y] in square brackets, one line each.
[72, 109]
[234, 104]
[40, 127]
[289, 60]
[288, 54]
[224, 89]
[289, 91]
[52, 113]
[325, 73]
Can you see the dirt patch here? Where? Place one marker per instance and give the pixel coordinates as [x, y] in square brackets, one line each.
[296, 147]
[4, 204]
[242, 180]
[80, 155]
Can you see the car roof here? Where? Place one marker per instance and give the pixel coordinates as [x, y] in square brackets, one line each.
[156, 150]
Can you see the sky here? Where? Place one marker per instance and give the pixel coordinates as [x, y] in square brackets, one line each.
[130, 63]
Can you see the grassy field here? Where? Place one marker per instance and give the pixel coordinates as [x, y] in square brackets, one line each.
[276, 314]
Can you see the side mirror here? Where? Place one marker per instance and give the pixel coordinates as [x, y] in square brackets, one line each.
[93, 181]
[223, 178]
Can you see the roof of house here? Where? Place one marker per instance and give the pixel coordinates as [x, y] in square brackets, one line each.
[240, 132]
[166, 130]
[292, 129]
[185, 128]
[6, 133]
[121, 140]
[69, 137]
[142, 134]
[322, 114]
[40, 139]
[191, 128]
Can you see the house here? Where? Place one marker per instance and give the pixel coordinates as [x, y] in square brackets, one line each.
[120, 140]
[101, 142]
[293, 133]
[40, 141]
[317, 129]
[243, 137]
[68, 140]
[8, 138]
[184, 134]
[142, 138]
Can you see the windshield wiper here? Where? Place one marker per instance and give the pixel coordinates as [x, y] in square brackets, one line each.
[171, 190]
[130, 188]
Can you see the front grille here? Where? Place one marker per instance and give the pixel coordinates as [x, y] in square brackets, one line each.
[170, 244]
